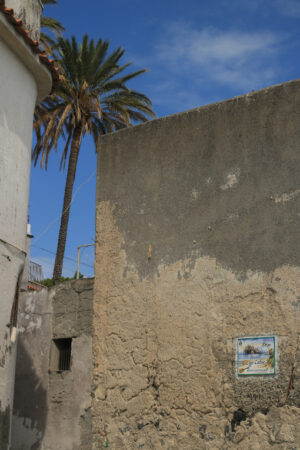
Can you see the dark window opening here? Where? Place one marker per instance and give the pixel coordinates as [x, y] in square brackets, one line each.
[14, 310]
[63, 347]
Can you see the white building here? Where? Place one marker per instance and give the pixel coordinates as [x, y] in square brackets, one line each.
[26, 77]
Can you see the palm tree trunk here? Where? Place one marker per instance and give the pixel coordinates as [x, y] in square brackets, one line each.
[73, 158]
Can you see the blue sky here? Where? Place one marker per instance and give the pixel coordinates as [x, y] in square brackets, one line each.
[196, 52]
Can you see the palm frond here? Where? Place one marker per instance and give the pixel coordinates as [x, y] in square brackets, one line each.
[93, 95]
[52, 24]
[47, 43]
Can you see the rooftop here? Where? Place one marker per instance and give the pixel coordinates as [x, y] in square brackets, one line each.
[33, 44]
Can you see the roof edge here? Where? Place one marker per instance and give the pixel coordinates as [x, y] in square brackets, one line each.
[28, 50]
[247, 96]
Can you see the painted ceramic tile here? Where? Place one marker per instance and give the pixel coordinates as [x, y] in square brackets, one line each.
[256, 356]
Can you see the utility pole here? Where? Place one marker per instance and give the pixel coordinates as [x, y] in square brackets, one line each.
[78, 257]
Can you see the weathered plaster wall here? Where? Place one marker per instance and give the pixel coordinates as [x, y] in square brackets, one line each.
[23, 83]
[16, 117]
[32, 369]
[51, 408]
[29, 11]
[15, 145]
[198, 242]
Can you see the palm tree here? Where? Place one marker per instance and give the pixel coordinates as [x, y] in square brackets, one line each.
[92, 98]
[53, 25]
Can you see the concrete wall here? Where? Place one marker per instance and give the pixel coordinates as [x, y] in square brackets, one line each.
[51, 407]
[198, 243]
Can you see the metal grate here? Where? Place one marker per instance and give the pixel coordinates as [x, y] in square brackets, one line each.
[64, 348]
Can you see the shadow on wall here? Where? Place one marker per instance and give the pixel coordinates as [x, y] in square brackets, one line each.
[30, 404]
[4, 427]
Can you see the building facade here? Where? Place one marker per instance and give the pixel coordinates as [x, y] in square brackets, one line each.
[197, 279]
[26, 77]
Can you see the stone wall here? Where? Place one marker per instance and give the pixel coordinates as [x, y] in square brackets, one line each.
[198, 244]
[52, 407]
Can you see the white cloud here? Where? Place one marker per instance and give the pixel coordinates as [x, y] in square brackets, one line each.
[237, 59]
[176, 95]
[211, 44]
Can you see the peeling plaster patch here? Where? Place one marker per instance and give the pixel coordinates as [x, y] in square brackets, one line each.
[231, 179]
[29, 306]
[232, 216]
[34, 324]
[286, 197]
[296, 305]
[4, 350]
[195, 194]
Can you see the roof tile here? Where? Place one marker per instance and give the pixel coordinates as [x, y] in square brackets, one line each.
[33, 44]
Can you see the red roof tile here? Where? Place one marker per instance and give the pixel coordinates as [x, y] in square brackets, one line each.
[33, 44]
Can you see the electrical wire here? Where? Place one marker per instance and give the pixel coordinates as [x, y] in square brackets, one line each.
[45, 264]
[65, 257]
[68, 207]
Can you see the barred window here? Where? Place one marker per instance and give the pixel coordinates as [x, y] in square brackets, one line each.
[61, 354]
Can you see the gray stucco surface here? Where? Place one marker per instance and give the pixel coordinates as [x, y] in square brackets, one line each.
[185, 175]
[52, 408]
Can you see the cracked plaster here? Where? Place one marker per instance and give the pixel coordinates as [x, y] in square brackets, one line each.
[165, 325]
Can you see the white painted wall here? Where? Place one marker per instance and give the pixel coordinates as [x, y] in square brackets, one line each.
[18, 93]
[22, 80]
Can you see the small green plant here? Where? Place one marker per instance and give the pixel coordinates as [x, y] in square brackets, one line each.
[49, 282]
[271, 361]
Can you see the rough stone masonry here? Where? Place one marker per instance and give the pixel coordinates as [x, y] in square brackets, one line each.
[198, 244]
